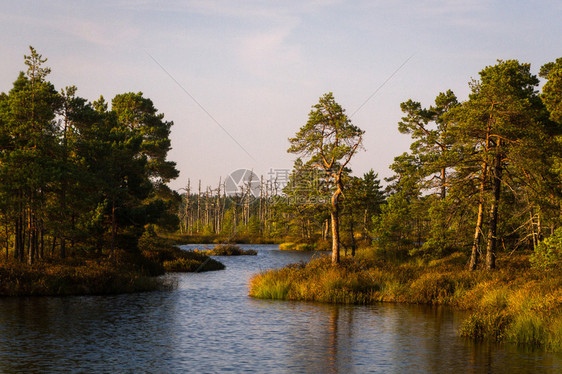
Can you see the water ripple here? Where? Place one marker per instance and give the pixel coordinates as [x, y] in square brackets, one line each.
[209, 325]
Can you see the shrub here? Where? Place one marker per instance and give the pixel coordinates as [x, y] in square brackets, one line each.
[548, 253]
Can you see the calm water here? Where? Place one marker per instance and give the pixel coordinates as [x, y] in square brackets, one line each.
[208, 324]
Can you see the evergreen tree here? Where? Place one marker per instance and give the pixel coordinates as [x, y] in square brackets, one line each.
[501, 127]
[330, 140]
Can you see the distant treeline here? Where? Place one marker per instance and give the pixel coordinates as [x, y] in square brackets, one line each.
[295, 210]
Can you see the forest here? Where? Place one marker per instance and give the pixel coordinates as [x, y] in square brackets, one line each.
[77, 174]
[470, 218]
[83, 186]
[482, 176]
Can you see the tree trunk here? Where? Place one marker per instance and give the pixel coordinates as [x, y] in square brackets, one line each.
[113, 227]
[492, 234]
[326, 229]
[17, 239]
[198, 229]
[7, 239]
[29, 239]
[336, 224]
[443, 183]
[62, 247]
[53, 245]
[351, 232]
[42, 242]
[335, 237]
[365, 230]
[479, 220]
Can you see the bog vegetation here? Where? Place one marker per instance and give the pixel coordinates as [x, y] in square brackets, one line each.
[228, 250]
[471, 217]
[482, 175]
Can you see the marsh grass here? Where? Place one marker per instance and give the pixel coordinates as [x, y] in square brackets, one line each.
[288, 246]
[516, 303]
[119, 272]
[321, 245]
[161, 251]
[63, 278]
[228, 250]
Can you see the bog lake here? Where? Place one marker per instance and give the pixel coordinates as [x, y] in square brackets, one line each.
[208, 324]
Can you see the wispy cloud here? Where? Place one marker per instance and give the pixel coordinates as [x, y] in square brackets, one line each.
[105, 32]
[101, 33]
[443, 12]
[228, 8]
[267, 52]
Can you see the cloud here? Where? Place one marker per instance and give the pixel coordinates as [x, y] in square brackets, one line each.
[250, 9]
[269, 52]
[106, 32]
[444, 13]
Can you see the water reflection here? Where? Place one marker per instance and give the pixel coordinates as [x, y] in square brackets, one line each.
[392, 338]
[210, 325]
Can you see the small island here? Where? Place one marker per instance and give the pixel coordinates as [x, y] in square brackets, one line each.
[227, 250]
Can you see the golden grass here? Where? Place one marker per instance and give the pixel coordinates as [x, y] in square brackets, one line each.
[228, 250]
[516, 303]
[120, 272]
[67, 278]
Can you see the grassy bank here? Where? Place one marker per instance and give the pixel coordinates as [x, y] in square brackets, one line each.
[180, 239]
[296, 246]
[227, 250]
[515, 303]
[73, 277]
[117, 272]
[161, 251]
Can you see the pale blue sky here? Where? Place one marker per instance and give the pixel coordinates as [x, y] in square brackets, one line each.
[258, 66]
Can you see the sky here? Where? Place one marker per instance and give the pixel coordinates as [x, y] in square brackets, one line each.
[238, 78]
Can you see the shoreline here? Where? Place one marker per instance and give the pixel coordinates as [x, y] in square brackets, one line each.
[515, 303]
[115, 273]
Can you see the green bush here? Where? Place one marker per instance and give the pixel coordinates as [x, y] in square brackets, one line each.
[548, 253]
